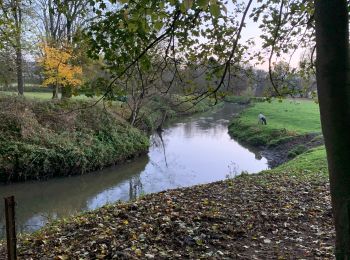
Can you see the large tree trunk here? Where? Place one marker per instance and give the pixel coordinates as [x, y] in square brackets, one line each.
[332, 39]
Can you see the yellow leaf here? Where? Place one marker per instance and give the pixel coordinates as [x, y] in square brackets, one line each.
[59, 68]
[138, 252]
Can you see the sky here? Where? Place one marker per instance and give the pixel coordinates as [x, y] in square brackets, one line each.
[253, 31]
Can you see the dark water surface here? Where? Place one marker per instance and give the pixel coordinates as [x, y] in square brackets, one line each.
[193, 151]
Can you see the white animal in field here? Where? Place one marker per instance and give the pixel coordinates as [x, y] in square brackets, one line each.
[262, 119]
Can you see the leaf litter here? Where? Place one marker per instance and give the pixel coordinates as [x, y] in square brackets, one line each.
[262, 216]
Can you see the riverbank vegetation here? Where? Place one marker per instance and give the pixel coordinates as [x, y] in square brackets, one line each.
[285, 120]
[243, 100]
[42, 139]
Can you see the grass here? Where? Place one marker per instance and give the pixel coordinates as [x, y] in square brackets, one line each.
[312, 162]
[32, 95]
[42, 95]
[284, 119]
[300, 116]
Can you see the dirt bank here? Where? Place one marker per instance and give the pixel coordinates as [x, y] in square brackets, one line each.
[291, 147]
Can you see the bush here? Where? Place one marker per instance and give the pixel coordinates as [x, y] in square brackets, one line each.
[243, 100]
[45, 139]
[173, 106]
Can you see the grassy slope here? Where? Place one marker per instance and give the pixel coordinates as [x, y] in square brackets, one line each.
[312, 162]
[284, 119]
[40, 139]
[287, 118]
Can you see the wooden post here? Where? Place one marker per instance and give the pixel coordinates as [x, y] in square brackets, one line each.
[10, 228]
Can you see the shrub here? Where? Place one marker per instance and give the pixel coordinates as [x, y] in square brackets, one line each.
[41, 139]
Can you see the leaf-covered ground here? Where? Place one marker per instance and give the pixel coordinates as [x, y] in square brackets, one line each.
[270, 215]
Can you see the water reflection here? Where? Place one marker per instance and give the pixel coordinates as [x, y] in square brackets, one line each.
[39, 202]
[193, 151]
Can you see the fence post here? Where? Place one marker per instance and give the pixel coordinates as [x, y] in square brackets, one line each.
[10, 228]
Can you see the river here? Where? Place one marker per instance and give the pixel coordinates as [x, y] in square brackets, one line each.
[193, 150]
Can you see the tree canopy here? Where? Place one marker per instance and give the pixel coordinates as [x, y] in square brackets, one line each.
[58, 67]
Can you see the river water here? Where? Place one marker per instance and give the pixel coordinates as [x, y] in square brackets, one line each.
[195, 150]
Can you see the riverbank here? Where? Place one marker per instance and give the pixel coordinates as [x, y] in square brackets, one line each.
[282, 214]
[42, 139]
[293, 127]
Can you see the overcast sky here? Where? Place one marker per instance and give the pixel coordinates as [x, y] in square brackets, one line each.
[252, 30]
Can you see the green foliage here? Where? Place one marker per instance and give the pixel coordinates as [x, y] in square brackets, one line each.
[173, 106]
[237, 99]
[299, 149]
[143, 36]
[44, 139]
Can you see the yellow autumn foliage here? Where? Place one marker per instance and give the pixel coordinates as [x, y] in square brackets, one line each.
[58, 69]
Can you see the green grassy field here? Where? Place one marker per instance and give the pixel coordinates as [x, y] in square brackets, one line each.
[284, 119]
[41, 95]
[300, 116]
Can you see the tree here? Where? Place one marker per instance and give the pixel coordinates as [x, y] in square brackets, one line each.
[7, 67]
[129, 32]
[333, 85]
[58, 68]
[60, 21]
[11, 28]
